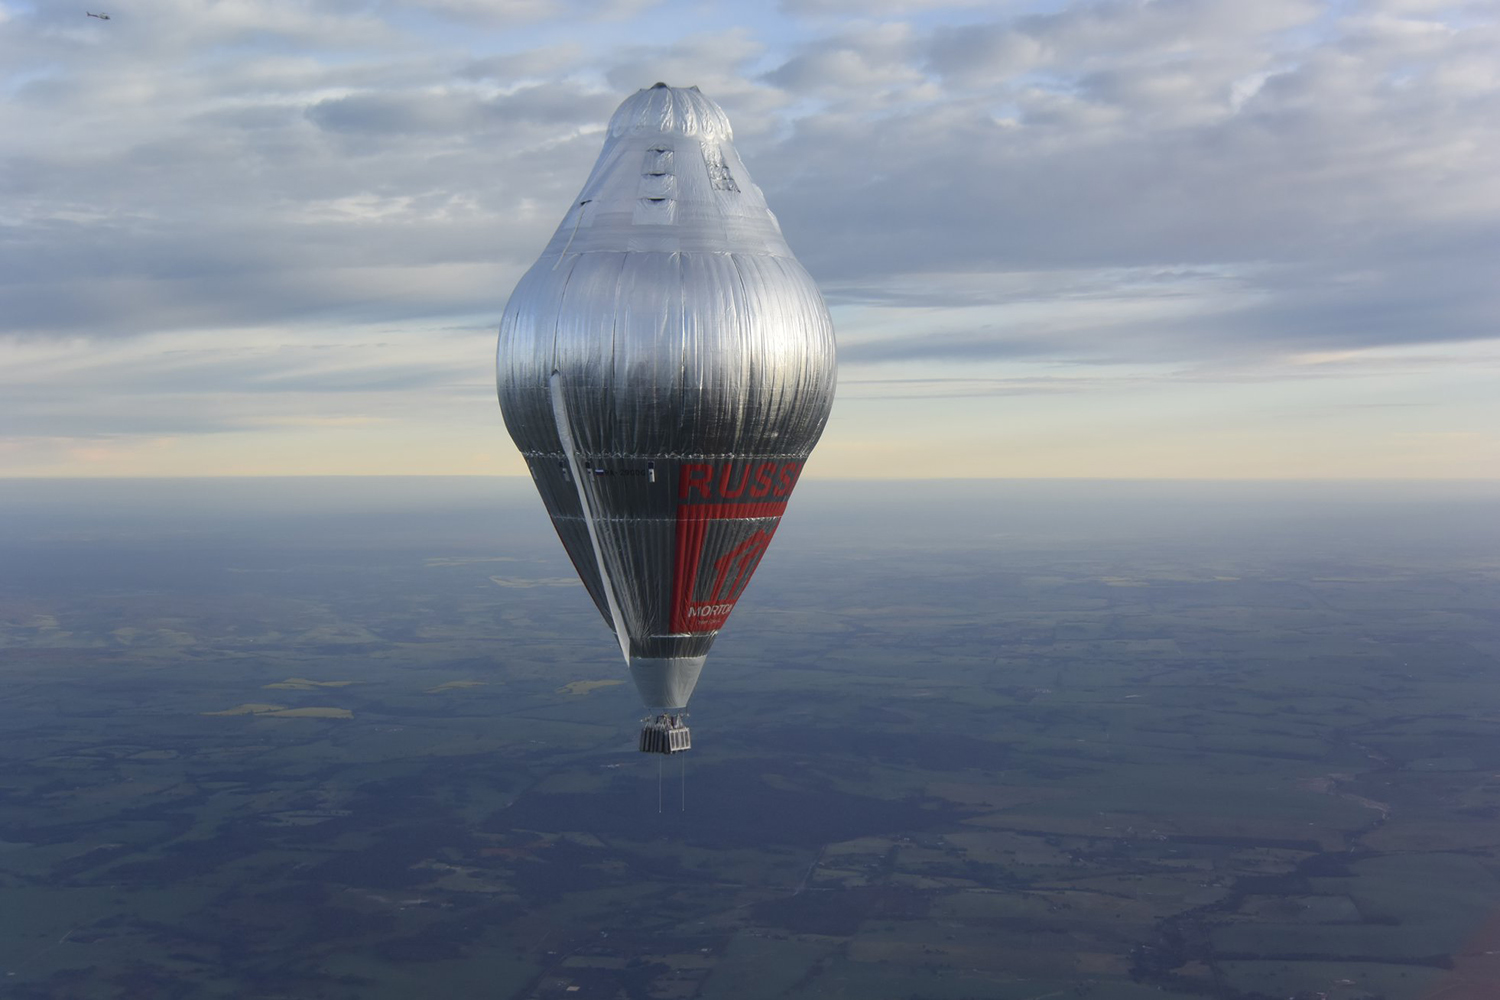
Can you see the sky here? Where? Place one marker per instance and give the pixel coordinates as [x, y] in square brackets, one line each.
[1116, 239]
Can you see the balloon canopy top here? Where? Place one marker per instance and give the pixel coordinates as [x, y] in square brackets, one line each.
[672, 111]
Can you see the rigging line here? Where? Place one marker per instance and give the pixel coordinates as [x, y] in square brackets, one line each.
[576, 223]
[565, 432]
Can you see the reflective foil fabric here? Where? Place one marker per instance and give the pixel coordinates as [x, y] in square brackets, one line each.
[665, 368]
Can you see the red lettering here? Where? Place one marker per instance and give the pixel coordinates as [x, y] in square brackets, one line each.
[762, 479]
[784, 480]
[724, 482]
[696, 476]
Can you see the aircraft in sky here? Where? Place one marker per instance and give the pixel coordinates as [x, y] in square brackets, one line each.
[102, 17]
[665, 368]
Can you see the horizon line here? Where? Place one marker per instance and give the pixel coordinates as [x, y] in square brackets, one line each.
[1469, 480]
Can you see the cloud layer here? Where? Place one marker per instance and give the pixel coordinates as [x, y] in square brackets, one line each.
[1149, 193]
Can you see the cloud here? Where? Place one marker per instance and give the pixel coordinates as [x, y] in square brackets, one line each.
[545, 62]
[857, 59]
[247, 379]
[446, 112]
[1096, 137]
[1103, 140]
[714, 62]
[1100, 182]
[872, 8]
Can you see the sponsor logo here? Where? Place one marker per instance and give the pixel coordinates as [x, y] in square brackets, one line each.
[736, 482]
[735, 566]
[709, 610]
[713, 567]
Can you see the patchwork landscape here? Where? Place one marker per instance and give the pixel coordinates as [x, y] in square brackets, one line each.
[366, 739]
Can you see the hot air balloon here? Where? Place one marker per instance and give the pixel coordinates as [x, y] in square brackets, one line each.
[665, 368]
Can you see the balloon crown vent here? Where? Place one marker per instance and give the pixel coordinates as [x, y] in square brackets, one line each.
[671, 111]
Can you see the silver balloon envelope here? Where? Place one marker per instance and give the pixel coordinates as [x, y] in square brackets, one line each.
[665, 368]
